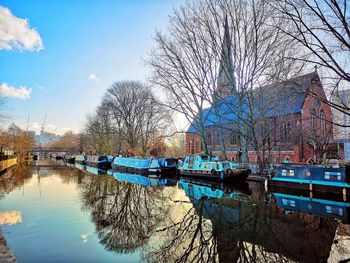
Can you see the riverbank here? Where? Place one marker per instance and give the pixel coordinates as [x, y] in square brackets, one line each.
[6, 255]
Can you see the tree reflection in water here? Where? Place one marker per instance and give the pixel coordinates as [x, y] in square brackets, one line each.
[125, 215]
[14, 178]
[175, 224]
[231, 230]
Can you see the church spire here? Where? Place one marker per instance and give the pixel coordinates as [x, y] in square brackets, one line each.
[226, 83]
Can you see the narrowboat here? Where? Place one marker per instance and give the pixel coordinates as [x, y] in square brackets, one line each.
[314, 206]
[7, 160]
[315, 178]
[81, 159]
[199, 166]
[99, 161]
[144, 165]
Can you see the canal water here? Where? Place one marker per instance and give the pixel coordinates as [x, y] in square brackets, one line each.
[56, 213]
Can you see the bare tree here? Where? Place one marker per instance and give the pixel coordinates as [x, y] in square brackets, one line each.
[129, 120]
[185, 63]
[322, 27]
[98, 129]
[188, 64]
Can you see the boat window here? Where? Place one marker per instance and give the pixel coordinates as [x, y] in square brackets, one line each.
[330, 175]
[101, 158]
[204, 158]
[287, 172]
[207, 166]
[226, 165]
[190, 162]
[288, 202]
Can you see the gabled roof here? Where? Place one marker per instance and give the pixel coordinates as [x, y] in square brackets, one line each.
[270, 101]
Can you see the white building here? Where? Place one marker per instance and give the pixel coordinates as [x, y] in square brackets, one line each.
[342, 134]
[45, 137]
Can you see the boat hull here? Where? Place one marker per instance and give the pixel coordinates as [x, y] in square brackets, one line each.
[311, 186]
[135, 170]
[239, 175]
[7, 161]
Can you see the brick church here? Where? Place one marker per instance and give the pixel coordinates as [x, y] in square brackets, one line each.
[299, 124]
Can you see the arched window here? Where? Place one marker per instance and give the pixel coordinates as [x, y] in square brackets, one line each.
[323, 122]
[313, 120]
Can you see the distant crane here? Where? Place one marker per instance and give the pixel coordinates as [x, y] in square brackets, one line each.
[27, 123]
[43, 125]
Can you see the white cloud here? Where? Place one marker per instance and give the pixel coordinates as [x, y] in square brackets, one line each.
[21, 92]
[93, 77]
[15, 33]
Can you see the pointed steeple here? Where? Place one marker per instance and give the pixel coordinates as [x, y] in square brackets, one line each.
[226, 83]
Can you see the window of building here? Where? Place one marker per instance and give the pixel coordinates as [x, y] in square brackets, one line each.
[233, 137]
[217, 136]
[286, 132]
[197, 147]
[207, 136]
[313, 120]
[322, 122]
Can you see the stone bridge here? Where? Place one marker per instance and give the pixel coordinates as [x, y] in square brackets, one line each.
[43, 149]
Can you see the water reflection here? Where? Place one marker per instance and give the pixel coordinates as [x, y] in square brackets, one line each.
[182, 220]
[124, 214]
[143, 180]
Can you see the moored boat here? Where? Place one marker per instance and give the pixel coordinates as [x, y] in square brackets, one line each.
[7, 160]
[198, 166]
[149, 165]
[313, 178]
[99, 161]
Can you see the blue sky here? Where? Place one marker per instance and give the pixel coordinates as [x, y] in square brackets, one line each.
[86, 46]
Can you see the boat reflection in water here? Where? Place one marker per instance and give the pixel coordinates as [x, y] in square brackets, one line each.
[314, 206]
[144, 180]
[199, 189]
[95, 170]
[80, 166]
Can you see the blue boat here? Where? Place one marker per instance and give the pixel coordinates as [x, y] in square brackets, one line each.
[199, 166]
[99, 161]
[313, 178]
[149, 165]
[143, 180]
[314, 206]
